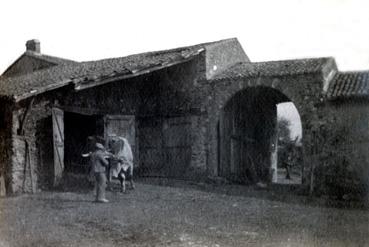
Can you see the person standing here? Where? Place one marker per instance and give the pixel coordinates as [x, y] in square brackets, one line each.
[99, 164]
[288, 165]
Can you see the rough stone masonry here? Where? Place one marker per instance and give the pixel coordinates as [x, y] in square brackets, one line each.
[189, 113]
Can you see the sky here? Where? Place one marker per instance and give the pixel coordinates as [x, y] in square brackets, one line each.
[267, 29]
[288, 111]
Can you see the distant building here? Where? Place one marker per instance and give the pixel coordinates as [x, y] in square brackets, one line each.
[193, 112]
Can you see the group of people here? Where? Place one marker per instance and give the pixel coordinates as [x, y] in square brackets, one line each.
[117, 162]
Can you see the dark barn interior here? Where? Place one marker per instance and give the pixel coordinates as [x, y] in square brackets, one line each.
[77, 129]
[44, 142]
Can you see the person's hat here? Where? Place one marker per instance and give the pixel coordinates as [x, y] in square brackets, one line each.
[99, 146]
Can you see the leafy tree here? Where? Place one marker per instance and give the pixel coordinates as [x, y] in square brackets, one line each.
[289, 152]
[284, 132]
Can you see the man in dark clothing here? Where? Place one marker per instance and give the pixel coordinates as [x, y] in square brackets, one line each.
[288, 165]
[99, 164]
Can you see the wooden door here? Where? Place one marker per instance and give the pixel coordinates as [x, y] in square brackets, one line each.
[124, 126]
[177, 145]
[235, 142]
[58, 141]
[151, 142]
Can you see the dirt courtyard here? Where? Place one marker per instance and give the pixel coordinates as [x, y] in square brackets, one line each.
[181, 215]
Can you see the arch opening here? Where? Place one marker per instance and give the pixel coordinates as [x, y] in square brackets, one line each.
[289, 169]
[251, 149]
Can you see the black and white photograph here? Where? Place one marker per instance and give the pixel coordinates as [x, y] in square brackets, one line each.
[184, 123]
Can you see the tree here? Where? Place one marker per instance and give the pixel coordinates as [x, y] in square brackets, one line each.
[284, 132]
[288, 150]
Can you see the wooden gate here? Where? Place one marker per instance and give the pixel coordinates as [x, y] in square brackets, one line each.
[58, 141]
[124, 126]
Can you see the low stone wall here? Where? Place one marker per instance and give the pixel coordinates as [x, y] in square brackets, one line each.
[24, 166]
[18, 161]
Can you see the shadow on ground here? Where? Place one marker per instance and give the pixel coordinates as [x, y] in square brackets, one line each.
[288, 193]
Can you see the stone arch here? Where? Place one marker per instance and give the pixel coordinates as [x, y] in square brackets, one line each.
[304, 92]
[288, 89]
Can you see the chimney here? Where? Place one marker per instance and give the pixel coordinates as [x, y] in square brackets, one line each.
[33, 45]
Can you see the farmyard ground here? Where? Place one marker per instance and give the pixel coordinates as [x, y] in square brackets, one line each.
[182, 214]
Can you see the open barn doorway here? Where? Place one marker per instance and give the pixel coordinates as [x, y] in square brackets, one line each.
[77, 129]
[248, 137]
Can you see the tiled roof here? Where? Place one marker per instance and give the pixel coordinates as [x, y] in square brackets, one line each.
[82, 74]
[274, 68]
[349, 85]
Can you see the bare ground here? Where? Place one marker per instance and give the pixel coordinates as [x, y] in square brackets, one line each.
[182, 214]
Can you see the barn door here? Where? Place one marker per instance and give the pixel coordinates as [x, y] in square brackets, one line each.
[151, 141]
[177, 145]
[124, 126]
[58, 140]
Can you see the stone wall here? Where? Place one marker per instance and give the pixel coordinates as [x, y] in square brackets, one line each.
[199, 152]
[217, 60]
[343, 149]
[181, 94]
[26, 165]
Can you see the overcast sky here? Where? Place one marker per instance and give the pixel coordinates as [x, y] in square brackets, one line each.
[267, 29]
[288, 111]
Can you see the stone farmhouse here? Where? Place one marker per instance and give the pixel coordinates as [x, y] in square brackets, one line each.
[197, 112]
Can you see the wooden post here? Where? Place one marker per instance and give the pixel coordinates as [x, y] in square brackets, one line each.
[24, 119]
